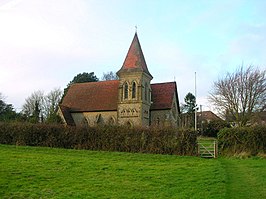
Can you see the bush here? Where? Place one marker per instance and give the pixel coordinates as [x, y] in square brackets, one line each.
[213, 127]
[249, 140]
[108, 138]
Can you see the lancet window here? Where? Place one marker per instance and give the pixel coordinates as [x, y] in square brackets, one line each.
[126, 91]
[134, 90]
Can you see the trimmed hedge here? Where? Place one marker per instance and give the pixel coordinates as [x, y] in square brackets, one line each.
[212, 128]
[107, 138]
[251, 140]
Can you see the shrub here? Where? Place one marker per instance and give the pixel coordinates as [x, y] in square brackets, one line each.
[250, 140]
[108, 138]
[213, 127]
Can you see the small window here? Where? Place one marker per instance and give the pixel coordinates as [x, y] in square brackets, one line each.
[99, 119]
[129, 124]
[85, 122]
[158, 121]
[134, 90]
[126, 91]
[111, 121]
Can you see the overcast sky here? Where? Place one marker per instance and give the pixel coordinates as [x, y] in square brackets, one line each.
[45, 43]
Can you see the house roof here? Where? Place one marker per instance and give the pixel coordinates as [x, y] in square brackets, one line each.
[103, 96]
[135, 60]
[162, 95]
[208, 115]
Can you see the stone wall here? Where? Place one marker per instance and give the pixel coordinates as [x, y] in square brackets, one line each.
[163, 118]
[95, 118]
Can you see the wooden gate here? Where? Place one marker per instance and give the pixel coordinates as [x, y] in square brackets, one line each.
[207, 148]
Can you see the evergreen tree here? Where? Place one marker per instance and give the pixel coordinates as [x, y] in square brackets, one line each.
[7, 112]
[190, 101]
[81, 78]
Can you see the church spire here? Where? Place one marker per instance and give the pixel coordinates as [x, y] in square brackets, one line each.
[135, 60]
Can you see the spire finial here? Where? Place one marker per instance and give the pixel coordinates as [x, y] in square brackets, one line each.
[136, 28]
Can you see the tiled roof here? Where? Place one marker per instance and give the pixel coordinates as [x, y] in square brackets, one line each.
[103, 96]
[208, 115]
[162, 95]
[92, 96]
[135, 60]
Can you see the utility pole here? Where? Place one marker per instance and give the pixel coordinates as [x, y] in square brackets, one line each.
[195, 103]
[201, 119]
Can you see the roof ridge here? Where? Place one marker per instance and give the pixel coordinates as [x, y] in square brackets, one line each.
[163, 83]
[95, 82]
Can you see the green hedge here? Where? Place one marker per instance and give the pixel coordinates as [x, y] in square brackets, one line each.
[250, 140]
[107, 138]
[212, 128]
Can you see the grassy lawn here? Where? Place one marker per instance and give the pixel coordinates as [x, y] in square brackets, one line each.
[245, 178]
[30, 172]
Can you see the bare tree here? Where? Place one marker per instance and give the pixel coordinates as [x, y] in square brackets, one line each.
[109, 76]
[51, 102]
[40, 106]
[240, 94]
[34, 105]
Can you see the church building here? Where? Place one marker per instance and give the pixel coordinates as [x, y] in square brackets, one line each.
[131, 100]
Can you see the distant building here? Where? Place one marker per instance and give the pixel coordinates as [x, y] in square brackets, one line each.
[259, 118]
[207, 116]
[256, 118]
[204, 117]
[132, 100]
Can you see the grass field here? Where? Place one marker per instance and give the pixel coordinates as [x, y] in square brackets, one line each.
[31, 172]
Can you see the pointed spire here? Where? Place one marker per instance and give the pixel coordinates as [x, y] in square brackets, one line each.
[135, 60]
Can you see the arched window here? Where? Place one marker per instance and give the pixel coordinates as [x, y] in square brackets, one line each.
[126, 91]
[146, 92]
[134, 90]
[85, 122]
[99, 119]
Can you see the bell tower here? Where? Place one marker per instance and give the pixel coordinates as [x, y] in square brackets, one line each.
[134, 94]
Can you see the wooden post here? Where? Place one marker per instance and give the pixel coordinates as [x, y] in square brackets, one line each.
[215, 149]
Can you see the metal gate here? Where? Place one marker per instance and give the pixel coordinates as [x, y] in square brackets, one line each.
[207, 148]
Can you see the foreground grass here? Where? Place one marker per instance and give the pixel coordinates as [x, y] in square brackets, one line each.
[28, 172]
[31, 172]
[245, 178]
